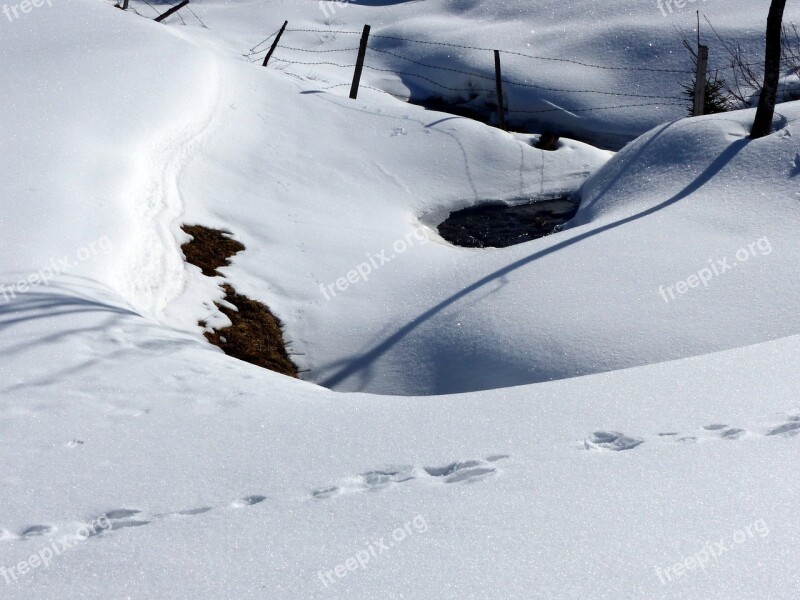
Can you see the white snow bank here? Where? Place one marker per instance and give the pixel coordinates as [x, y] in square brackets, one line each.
[222, 480]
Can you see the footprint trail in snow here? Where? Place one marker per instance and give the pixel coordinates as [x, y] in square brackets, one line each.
[457, 472]
[606, 440]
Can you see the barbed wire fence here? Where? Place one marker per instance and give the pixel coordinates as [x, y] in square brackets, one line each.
[338, 57]
[330, 57]
[255, 53]
[171, 10]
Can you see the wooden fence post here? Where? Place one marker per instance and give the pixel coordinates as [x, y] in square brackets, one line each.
[171, 11]
[362, 51]
[275, 43]
[499, 81]
[700, 81]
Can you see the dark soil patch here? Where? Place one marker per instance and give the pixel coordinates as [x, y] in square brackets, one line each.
[255, 334]
[209, 248]
[439, 104]
[499, 225]
[548, 141]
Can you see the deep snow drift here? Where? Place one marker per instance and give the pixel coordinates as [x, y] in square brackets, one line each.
[659, 463]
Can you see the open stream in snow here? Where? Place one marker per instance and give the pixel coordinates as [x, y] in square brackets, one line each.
[497, 225]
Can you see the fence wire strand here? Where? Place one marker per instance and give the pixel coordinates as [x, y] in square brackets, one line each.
[484, 49]
[660, 100]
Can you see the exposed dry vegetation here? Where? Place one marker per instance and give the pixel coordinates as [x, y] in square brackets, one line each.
[209, 248]
[738, 85]
[255, 334]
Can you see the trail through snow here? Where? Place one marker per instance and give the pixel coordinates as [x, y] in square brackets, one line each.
[156, 272]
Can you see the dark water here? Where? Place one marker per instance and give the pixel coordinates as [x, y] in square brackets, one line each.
[499, 225]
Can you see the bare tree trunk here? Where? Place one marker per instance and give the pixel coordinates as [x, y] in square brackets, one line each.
[772, 72]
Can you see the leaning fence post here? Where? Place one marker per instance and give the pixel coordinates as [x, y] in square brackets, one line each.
[499, 81]
[700, 81]
[171, 11]
[362, 51]
[275, 43]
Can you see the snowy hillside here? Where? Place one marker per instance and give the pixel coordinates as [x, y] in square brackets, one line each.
[606, 412]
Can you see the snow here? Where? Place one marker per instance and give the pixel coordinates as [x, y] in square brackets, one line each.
[570, 417]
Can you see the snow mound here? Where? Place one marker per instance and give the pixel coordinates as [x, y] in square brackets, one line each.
[700, 160]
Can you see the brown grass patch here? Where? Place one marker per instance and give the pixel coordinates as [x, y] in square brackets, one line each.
[209, 248]
[255, 334]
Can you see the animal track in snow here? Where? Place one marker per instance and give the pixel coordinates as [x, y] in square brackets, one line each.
[37, 531]
[248, 501]
[122, 513]
[732, 433]
[465, 471]
[194, 511]
[496, 457]
[29, 532]
[124, 518]
[613, 440]
[120, 518]
[791, 428]
[461, 471]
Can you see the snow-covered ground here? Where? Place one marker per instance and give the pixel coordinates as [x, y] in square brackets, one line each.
[608, 412]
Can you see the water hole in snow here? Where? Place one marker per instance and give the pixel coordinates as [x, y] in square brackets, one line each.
[500, 224]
